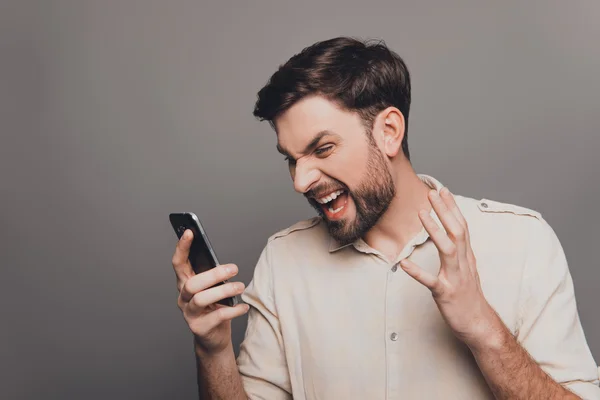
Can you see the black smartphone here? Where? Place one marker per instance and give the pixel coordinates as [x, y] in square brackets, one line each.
[202, 255]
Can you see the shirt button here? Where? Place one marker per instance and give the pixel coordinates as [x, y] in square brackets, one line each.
[394, 336]
[484, 205]
[395, 268]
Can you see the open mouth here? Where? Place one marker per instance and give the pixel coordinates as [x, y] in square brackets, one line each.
[334, 203]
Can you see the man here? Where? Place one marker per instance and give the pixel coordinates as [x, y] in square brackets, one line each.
[398, 289]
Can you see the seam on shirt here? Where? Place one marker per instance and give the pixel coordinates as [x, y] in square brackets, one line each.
[385, 338]
[522, 297]
[298, 226]
[575, 381]
[275, 312]
[493, 206]
[551, 256]
[271, 294]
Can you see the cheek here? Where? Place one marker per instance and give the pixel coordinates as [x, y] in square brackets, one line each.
[349, 166]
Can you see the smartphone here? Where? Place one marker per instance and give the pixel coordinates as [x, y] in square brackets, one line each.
[202, 255]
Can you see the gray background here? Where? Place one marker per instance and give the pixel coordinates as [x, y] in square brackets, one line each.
[115, 113]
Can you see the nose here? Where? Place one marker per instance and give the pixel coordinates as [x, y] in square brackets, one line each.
[304, 177]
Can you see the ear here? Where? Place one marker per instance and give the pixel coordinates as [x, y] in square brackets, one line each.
[391, 125]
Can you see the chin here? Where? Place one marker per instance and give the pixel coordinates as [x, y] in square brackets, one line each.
[344, 231]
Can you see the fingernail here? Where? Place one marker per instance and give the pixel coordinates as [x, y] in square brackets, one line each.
[230, 269]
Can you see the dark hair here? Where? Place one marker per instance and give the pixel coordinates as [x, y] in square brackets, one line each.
[364, 77]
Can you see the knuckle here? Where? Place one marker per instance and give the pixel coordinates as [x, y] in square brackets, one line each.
[450, 292]
[237, 287]
[451, 250]
[197, 300]
[460, 234]
[230, 289]
[221, 314]
[438, 289]
[188, 286]
[219, 273]
[222, 272]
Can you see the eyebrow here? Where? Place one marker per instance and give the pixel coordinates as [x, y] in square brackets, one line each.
[311, 146]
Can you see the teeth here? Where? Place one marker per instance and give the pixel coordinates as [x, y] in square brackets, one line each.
[330, 197]
[337, 210]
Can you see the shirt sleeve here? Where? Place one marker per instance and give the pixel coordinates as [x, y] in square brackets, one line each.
[550, 328]
[261, 360]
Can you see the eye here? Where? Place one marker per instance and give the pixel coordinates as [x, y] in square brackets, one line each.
[290, 160]
[321, 151]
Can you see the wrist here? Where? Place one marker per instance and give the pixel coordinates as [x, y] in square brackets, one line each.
[212, 353]
[491, 334]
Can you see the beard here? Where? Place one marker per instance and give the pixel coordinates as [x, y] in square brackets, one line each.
[371, 198]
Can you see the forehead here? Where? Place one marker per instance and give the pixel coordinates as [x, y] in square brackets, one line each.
[301, 122]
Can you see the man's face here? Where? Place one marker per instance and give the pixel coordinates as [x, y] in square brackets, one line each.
[336, 165]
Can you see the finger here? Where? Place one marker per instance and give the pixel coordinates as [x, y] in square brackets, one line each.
[450, 202]
[222, 314]
[453, 228]
[448, 198]
[420, 275]
[181, 263]
[207, 279]
[205, 298]
[446, 247]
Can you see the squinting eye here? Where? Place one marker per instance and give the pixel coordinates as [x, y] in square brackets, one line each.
[323, 150]
[290, 161]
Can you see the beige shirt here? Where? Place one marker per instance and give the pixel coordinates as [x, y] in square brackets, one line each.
[330, 322]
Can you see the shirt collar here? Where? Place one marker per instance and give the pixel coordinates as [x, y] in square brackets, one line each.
[363, 247]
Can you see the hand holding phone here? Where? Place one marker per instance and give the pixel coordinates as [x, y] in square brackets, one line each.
[201, 254]
[207, 299]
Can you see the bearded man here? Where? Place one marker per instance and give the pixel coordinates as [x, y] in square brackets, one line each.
[398, 289]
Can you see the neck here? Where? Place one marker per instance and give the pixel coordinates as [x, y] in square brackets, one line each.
[400, 223]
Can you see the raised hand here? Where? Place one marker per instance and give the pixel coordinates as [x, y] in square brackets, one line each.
[456, 289]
